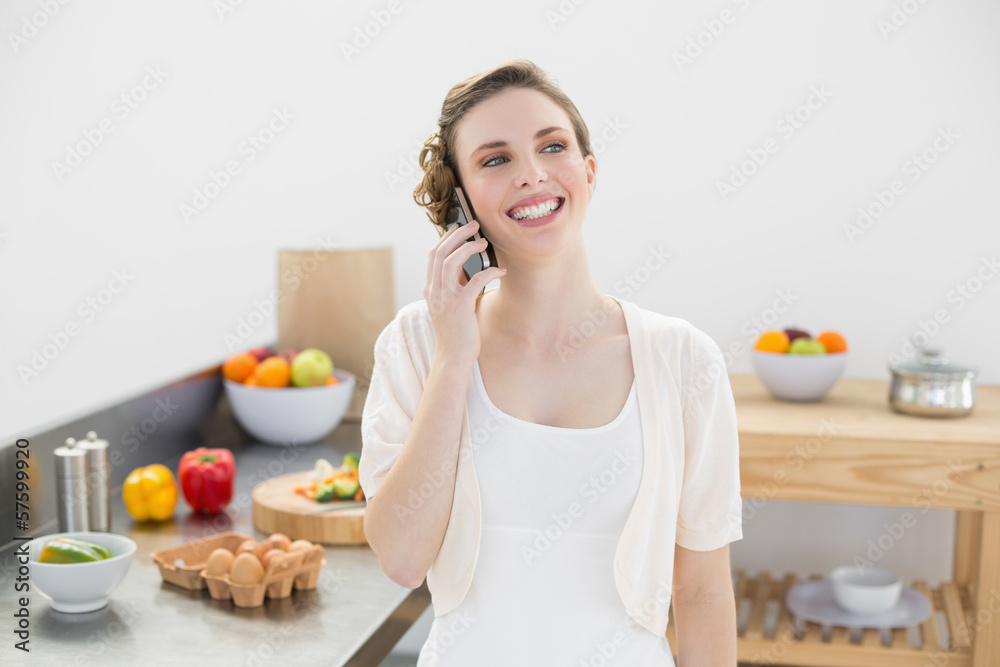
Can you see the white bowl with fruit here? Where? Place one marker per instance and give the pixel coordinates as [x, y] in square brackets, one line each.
[79, 571]
[796, 367]
[295, 397]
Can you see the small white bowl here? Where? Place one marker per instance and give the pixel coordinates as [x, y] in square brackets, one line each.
[79, 587]
[291, 415]
[865, 591]
[799, 377]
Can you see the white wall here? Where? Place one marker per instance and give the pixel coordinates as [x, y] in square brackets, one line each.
[673, 133]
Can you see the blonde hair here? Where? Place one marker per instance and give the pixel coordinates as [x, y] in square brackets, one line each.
[437, 157]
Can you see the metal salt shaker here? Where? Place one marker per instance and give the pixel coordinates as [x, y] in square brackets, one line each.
[71, 488]
[98, 481]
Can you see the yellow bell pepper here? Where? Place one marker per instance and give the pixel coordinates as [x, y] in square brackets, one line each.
[150, 493]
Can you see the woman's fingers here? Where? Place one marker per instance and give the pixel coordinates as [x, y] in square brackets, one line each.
[456, 260]
[479, 281]
[437, 254]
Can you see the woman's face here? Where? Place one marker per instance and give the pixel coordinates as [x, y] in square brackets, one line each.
[523, 173]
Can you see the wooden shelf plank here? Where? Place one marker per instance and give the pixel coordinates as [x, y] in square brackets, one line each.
[785, 622]
[987, 596]
[840, 636]
[929, 635]
[837, 655]
[957, 626]
[967, 528]
[758, 608]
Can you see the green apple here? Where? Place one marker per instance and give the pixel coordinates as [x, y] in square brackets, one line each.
[806, 346]
[311, 368]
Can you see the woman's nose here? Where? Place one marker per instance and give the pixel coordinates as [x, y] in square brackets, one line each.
[531, 172]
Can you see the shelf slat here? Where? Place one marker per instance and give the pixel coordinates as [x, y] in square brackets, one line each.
[957, 625]
[758, 609]
[929, 635]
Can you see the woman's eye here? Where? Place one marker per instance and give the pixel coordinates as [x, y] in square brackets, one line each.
[557, 147]
[494, 161]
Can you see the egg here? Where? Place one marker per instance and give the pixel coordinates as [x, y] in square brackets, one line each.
[219, 562]
[271, 555]
[247, 546]
[246, 570]
[278, 541]
[313, 554]
[299, 544]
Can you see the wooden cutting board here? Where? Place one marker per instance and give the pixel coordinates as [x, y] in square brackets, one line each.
[278, 509]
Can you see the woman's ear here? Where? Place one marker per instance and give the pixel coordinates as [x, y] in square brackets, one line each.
[590, 164]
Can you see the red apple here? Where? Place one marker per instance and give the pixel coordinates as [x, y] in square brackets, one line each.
[261, 353]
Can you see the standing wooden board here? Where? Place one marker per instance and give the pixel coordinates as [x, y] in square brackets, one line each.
[278, 509]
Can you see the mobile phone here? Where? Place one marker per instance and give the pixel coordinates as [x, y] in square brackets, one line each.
[461, 214]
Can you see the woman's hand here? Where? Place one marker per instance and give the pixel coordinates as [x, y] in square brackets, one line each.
[451, 298]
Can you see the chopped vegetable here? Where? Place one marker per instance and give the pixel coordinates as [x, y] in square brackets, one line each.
[346, 487]
[322, 470]
[325, 492]
[69, 550]
[329, 483]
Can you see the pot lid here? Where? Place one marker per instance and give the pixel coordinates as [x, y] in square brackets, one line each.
[931, 362]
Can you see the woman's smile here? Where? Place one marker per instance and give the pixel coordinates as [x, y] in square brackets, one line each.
[537, 210]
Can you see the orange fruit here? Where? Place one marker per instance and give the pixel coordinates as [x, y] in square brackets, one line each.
[272, 372]
[331, 380]
[833, 342]
[250, 382]
[239, 367]
[773, 341]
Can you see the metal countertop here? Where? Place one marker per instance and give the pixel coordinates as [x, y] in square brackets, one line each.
[148, 621]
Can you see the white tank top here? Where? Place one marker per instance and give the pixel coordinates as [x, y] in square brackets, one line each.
[554, 501]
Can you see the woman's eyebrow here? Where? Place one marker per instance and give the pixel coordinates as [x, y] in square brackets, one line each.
[500, 144]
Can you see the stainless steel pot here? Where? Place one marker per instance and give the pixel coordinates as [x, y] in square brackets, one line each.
[932, 387]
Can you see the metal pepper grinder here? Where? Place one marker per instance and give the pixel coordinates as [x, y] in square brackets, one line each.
[98, 481]
[71, 488]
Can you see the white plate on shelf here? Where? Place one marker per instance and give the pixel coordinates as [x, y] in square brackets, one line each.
[813, 601]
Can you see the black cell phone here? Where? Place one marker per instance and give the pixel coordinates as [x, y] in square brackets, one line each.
[461, 215]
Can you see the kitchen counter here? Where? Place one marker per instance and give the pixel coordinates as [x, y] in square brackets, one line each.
[353, 617]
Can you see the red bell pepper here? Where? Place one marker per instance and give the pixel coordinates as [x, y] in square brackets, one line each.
[206, 477]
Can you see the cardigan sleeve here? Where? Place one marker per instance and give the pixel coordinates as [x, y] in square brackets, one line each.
[710, 509]
[391, 404]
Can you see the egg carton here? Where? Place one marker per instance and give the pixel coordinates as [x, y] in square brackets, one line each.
[297, 570]
[182, 565]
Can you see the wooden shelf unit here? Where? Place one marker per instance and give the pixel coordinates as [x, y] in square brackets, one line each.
[770, 635]
[852, 448]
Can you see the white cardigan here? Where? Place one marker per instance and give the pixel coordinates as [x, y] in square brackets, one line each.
[689, 493]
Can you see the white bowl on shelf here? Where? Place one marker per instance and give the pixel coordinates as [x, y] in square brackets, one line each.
[80, 587]
[865, 591]
[799, 377]
[291, 415]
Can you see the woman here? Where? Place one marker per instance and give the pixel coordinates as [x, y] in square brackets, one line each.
[558, 463]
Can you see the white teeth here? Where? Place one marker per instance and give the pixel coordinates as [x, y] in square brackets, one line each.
[534, 212]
